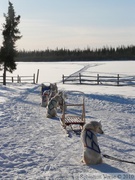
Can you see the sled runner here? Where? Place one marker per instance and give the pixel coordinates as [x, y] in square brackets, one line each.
[73, 112]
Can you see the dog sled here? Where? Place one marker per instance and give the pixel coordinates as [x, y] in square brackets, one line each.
[73, 111]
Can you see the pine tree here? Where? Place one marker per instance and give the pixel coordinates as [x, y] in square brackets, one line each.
[10, 35]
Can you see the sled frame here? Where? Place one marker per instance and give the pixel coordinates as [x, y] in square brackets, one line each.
[70, 119]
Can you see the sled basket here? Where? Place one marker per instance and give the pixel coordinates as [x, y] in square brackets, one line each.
[73, 109]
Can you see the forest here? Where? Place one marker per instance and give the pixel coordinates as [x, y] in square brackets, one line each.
[105, 53]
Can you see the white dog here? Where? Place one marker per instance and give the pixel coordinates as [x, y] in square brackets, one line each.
[91, 153]
[52, 106]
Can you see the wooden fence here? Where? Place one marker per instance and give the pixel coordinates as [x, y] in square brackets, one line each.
[99, 79]
[19, 79]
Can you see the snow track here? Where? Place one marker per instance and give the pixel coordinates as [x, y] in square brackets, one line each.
[86, 66]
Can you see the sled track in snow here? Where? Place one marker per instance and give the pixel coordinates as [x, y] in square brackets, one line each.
[77, 72]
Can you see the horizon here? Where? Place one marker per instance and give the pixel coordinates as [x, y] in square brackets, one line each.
[79, 49]
[73, 25]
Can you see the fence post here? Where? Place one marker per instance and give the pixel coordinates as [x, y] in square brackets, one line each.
[97, 78]
[118, 79]
[80, 78]
[18, 79]
[12, 79]
[37, 76]
[63, 78]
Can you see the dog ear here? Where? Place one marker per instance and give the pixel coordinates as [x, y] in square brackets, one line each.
[99, 121]
[89, 126]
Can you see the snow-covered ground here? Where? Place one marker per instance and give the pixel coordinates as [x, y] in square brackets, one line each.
[35, 147]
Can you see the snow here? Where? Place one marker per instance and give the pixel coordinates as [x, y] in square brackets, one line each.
[35, 147]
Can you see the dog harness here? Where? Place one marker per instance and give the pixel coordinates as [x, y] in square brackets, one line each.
[94, 146]
[45, 95]
[51, 105]
[46, 88]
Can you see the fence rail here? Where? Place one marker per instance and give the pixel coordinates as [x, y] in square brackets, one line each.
[18, 79]
[118, 80]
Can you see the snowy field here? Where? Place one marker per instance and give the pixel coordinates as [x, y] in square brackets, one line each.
[35, 147]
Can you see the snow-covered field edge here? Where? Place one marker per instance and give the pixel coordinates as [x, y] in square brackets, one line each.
[35, 147]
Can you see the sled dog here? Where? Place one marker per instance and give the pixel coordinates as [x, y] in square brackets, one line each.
[44, 88]
[47, 92]
[91, 150]
[62, 104]
[53, 90]
[52, 106]
[45, 98]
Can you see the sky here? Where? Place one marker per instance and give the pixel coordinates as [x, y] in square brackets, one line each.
[72, 24]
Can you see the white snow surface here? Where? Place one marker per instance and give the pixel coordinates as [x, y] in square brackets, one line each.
[35, 147]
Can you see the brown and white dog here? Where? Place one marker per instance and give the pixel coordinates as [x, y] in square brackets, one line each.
[91, 150]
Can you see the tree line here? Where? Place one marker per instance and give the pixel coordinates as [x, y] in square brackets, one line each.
[105, 53]
[9, 54]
